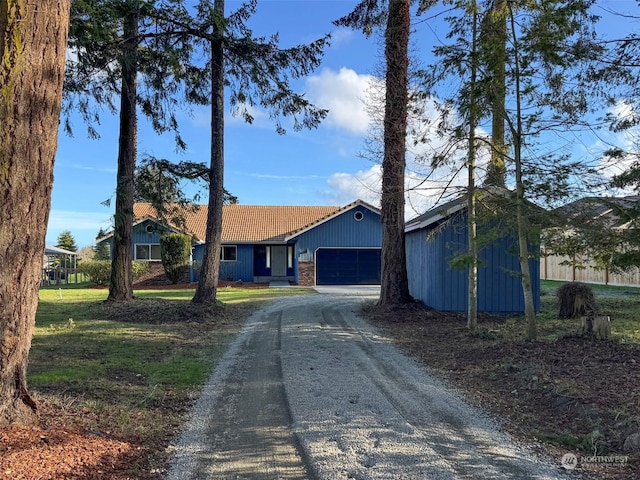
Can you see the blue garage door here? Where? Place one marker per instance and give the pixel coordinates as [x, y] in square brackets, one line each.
[348, 266]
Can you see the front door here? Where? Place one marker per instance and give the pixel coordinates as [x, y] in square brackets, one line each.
[279, 261]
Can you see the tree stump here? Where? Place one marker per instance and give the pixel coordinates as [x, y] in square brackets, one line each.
[596, 326]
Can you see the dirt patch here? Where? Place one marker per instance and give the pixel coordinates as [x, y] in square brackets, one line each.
[573, 395]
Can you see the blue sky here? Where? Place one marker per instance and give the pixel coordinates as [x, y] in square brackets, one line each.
[262, 167]
[317, 167]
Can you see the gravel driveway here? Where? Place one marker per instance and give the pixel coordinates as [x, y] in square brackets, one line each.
[309, 390]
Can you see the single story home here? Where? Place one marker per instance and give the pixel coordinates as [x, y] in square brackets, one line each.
[436, 237]
[306, 245]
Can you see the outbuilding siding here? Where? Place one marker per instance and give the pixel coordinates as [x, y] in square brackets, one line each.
[435, 283]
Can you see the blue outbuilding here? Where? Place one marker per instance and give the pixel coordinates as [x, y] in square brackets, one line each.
[435, 238]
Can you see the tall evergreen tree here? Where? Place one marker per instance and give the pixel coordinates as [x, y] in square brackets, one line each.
[117, 44]
[66, 241]
[394, 288]
[494, 58]
[473, 115]
[552, 37]
[395, 15]
[257, 72]
[33, 38]
[101, 250]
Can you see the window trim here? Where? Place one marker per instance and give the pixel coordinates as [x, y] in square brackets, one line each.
[222, 250]
[150, 246]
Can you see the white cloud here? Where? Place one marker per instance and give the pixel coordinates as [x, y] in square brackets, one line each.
[426, 187]
[627, 140]
[347, 187]
[341, 36]
[343, 94]
[90, 168]
[421, 193]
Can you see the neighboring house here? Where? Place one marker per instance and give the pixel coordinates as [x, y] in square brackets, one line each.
[436, 237]
[601, 214]
[307, 245]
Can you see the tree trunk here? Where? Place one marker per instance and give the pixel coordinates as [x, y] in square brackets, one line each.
[121, 285]
[523, 244]
[472, 307]
[394, 287]
[496, 36]
[33, 40]
[208, 282]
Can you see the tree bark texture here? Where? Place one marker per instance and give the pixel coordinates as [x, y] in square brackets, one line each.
[206, 290]
[121, 285]
[496, 38]
[394, 282]
[472, 293]
[33, 40]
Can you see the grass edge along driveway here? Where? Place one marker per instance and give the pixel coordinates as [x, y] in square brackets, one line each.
[131, 370]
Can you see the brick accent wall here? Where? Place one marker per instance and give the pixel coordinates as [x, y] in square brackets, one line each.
[306, 275]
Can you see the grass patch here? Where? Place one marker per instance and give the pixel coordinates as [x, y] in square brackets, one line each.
[132, 369]
[622, 304]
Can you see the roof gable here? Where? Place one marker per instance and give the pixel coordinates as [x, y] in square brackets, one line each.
[609, 212]
[332, 215]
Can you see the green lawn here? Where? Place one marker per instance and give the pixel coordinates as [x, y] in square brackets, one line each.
[131, 369]
[622, 304]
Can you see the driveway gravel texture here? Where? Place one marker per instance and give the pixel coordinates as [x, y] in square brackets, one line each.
[308, 390]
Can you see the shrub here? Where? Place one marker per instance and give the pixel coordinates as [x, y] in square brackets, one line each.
[138, 269]
[175, 250]
[100, 270]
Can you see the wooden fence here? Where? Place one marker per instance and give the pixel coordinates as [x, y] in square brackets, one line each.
[552, 268]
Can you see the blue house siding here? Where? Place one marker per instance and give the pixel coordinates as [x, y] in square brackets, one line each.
[436, 284]
[343, 231]
[353, 231]
[233, 271]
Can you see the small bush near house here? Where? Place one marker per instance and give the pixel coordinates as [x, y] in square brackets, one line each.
[175, 250]
[138, 269]
[100, 270]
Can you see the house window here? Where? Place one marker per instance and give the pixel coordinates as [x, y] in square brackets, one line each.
[148, 251]
[229, 253]
[358, 216]
[290, 256]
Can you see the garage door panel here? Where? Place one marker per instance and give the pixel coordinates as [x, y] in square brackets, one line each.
[335, 266]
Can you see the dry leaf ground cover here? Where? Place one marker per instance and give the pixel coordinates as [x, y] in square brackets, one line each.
[566, 393]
